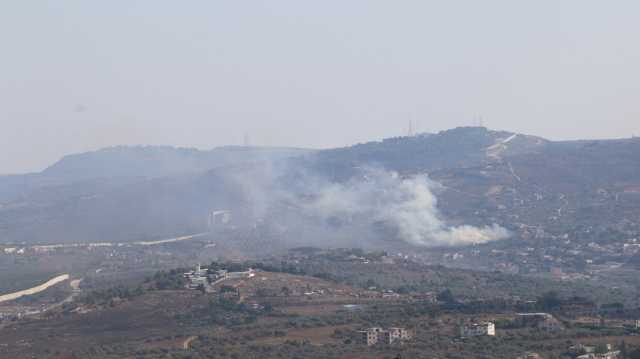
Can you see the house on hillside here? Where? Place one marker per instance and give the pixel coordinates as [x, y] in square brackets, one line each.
[608, 355]
[478, 330]
[591, 352]
[542, 321]
[201, 277]
[376, 335]
[530, 355]
[370, 336]
[393, 335]
[197, 277]
[238, 275]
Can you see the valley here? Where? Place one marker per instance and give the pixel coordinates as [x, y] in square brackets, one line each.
[427, 233]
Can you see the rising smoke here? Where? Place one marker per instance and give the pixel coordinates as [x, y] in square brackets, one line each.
[373, 204]
[408, 206]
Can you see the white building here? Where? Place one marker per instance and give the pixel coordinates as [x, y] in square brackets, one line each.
[589, 352]
[370, 336]
[478, 330]
[543, 321]
[375, 335]
[609, 355]
[240, 275]
[197, 277]
[393, 335]
[530, 355]
[201, 277]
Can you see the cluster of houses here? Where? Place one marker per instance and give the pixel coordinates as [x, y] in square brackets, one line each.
[592, 352]
[203, 277]
[547, 322]
[376, 335]
[197, 277]
[542, 321]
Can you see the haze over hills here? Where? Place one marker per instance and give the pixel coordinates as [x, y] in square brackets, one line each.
[460, 186]
[345, 234]
[130, 163]
[453, 225]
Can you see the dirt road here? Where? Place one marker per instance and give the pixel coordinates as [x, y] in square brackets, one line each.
[35, 290]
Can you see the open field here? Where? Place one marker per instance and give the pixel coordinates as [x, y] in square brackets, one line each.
[294, 311]
[313, 309]
[143, 320]
[315, 336]
[181, 321]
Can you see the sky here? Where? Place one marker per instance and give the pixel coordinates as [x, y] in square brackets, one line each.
[79, 75]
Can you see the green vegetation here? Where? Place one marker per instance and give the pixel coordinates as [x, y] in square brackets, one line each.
[111, 296]
[172, 279]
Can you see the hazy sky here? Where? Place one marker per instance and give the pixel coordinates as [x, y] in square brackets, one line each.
[79, 75]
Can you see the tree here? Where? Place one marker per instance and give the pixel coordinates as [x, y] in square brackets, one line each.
[446, 296]
[227, 289]
[262, 292]
[370, 283]
[601, 349]
[634, 354]
[549, 300]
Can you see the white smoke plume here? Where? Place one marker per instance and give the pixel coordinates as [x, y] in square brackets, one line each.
[407, 205]
[306, 207]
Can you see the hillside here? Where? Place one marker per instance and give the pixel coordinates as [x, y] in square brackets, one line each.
[126, 164]
[311, 301]
[158, 161]
[511, 179]
[520, 182]
[456, 148]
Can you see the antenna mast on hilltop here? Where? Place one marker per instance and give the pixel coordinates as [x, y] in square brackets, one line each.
[478, 121]
[411, 132]
[247, 143]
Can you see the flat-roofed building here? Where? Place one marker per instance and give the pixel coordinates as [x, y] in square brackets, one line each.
[370, 336]
[478, 329]
[376, 335]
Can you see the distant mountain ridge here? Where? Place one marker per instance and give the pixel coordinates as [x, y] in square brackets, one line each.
[155, 161]
[123, 163]
[456, 148]
[518, 181]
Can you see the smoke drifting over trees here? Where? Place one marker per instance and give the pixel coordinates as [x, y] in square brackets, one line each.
[373, 204]
[407, 206]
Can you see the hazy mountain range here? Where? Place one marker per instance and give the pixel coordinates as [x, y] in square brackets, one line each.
[462, 185]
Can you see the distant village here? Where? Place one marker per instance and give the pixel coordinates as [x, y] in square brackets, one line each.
[201, 278]
[567, 256]
[543, 321]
